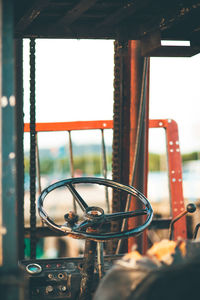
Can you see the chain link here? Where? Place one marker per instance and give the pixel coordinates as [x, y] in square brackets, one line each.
[116, 153]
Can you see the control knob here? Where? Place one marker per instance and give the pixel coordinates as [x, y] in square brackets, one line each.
[49, 289]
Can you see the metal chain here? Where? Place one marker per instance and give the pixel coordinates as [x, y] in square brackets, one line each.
[116, 148]
[32, 152]
[116, 118]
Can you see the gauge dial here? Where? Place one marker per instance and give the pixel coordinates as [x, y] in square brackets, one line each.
[33, 269]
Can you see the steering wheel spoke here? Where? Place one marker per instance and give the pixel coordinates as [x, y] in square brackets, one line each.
[125, 215]
[82, 226]
[83, 205]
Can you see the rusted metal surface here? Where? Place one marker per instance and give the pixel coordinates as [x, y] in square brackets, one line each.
[139, 90]
[138, 141]
[121, 119]
[87, 272]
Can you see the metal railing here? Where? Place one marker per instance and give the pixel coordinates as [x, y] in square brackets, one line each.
[173, 154]
[69, 127]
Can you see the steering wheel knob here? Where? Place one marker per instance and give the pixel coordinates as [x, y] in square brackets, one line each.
[191, 207]
[71, 218]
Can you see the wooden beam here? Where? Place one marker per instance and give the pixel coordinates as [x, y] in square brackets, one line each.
[168, 19]
[73, 14]
[123, 12]
[59, 31]
[32, 13]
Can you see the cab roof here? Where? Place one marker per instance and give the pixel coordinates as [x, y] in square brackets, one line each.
[109, 19]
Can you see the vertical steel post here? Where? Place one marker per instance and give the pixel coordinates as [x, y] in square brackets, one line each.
[12, 283]
[38, 164]
[129, 65]
[1, 204]
[71, 159]
[19, 125]
[104, 168]
[8, 154]
[137, 143]
[140, 182]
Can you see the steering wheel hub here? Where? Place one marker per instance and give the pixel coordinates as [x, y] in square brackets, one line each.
[94, 213]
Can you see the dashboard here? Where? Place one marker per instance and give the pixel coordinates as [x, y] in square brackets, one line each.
[58, 278]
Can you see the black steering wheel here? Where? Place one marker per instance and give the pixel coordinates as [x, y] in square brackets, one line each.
[95, 216]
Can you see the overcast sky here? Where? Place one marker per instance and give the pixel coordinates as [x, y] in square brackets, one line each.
[74, 80]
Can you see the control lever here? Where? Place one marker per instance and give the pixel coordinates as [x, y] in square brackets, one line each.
[196, 231]
[191, 208]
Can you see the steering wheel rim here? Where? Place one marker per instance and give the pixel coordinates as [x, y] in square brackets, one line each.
[96, 236]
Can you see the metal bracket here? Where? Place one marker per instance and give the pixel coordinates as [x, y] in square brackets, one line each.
[151, 46]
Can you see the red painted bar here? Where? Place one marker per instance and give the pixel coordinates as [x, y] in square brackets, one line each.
[68, 126]
[174, 173]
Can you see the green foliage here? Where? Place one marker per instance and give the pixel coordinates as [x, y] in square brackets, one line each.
[109, 162]
[91, 164]
[190, 156]
[26, 164]
[47, 166]
[158, 162]
[154, 162]
[86, 164]
[63, 165]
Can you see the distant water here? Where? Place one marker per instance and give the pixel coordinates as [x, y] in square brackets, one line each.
[158, 186]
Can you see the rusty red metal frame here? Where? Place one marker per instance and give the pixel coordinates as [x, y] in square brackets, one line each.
[173, 153]
[69, 126]
[174, 173]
